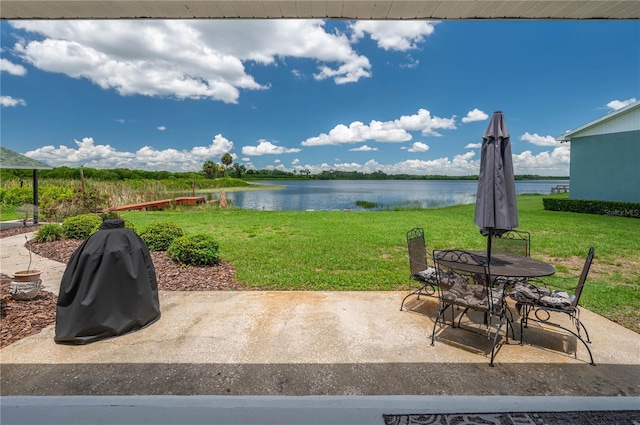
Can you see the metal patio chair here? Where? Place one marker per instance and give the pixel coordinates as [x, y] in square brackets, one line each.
[512, 242]
[466, 281]
[545, 303]
[419, 267]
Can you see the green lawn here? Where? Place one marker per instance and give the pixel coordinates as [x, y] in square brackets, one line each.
[335, 250]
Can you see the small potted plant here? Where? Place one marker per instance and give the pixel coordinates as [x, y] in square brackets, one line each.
[26, 283]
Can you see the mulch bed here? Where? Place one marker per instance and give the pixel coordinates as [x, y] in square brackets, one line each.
[19, 319]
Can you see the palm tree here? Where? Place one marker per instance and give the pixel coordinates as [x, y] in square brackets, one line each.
[226, 159]
[220, 169]
[239, 170]
[209, 168]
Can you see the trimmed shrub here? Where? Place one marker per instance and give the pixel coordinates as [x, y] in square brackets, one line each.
[159, 235]
[196, 250]
[81, 226]
[623, 209]
[49, 232]
[129, 225]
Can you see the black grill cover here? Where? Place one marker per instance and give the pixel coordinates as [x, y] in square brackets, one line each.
[108, 288]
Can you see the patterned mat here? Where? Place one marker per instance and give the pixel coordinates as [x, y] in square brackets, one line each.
[617, 417]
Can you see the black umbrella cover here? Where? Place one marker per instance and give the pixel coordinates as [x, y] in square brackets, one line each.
[496, 206]
[108, 288]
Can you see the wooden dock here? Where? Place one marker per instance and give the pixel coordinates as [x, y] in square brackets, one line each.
[161, 204]
[561, 188]
[190, 200]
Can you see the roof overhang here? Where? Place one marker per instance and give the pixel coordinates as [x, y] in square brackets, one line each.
[14, 160]
[566, 137]
[322, 9]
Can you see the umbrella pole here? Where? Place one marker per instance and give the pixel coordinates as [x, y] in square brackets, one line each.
[489, 237]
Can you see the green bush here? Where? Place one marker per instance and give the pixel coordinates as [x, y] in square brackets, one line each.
[16, 195]
[159, 235]
[49, 232]
[196, 250]
[623, 209]
[81, 226]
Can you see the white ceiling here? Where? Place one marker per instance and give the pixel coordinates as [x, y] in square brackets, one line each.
[333, 9]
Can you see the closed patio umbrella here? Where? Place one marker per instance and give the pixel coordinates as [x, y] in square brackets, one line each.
[496, 206]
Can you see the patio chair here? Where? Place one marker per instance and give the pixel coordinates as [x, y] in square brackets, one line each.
[512, 242]
[466, 281]
[546, 303]
[420, 270]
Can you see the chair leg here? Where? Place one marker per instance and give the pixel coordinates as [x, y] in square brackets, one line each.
[524, 318]
[495, 339]
[440, 314]
[578, 324]
[420, 291]
[577, 335]
[510, 324]
[574, 319]
[461, 316]
[417, 291]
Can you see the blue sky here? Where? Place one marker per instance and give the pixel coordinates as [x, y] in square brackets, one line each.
[400, 97]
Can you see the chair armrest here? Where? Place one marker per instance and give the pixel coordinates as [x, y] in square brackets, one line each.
[556, 286]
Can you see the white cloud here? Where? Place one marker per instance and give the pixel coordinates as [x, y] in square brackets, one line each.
[461, 165]
[388, 131]
[89, 154]
[182, 58]
[425, 123]
[350, 72]
[119, 120]
[475, 115]
[617, 104]
[554, 163]
[161, 128]
[410, 63]
[12, 68]
[539, 140]
[393, 35]
[419, 147]
[358, 132]
[8, 101]
[473, 146]
[280, 167]
[363, 148]
[266, 148]
[218, 147]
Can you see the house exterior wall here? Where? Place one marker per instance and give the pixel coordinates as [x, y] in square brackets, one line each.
[606, 167]
[629, 121]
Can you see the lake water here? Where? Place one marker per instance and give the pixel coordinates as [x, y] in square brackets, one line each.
[343, 194]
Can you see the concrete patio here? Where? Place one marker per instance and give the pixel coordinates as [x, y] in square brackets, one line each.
[320, 348]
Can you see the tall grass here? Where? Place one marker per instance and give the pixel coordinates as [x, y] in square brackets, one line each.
[119, 192]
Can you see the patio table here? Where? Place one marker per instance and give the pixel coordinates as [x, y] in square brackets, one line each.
[502, 264]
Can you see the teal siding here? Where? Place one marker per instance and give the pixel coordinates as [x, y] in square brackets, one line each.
[606, 167]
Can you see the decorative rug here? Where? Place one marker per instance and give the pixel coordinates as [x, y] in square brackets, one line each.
[611, 417]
